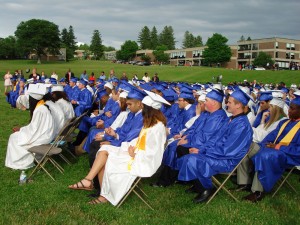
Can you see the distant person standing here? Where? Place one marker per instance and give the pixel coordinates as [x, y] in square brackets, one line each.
[124, 77]
[155, 78]
[34, 75]
[102, 76]
[92, 77]
[84, 75]
[69, 75]
[146, 78]
[7, 81]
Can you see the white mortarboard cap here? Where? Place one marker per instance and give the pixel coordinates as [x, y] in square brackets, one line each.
[123, 94]
[109, 85]
[202, 97]
[47, 81]
[31, 80]
[200, 92]
[154, 100]
[277, 94]
[37, 91]
[277, 101]
[57, 88]
[245, 89]
[218, 86]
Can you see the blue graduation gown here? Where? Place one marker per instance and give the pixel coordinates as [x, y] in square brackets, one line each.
[73, 93]
[270, 163]
[206, 125]
[84, 101]
[182, 118]
[221, 153]
[128, 131]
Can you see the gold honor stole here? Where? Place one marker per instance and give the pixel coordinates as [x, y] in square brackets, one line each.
[289, 136]
[41, 102]
[140, 145]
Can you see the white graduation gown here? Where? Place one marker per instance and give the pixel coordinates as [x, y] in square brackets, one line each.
[259, 133]
[39, 131]
[58, 116]
[118, 179]
[67, 108]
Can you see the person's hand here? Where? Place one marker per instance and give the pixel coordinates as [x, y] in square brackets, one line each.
[99, 136]
[182, 141]
[177, 136]
[104, 143]
[193, 150]
[265, 115]
[108, 114]
[270, 145]
[15, 129]
[100, 124]
[110, 132]
[131, 150]
[73, 102]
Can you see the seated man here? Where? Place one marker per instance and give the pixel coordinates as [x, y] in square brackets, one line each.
[278, 151]
[84, 101]
[207, 124]
[222, 152]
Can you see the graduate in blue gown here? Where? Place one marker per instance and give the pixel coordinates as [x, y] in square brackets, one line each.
[84, 101]
[278, 151]
[73, 91]
[187, 110]
[222, 152]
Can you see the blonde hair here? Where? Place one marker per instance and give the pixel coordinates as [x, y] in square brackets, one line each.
[275, 114]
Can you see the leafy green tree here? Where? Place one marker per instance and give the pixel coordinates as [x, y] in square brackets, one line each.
[39, 36]
[198, 41]
[144, 38]
[96, 46]
[84, 47]
[166, 37]
[217, 50]
[8, 48]
[160, 55]
[128, 50]
[190, 41]
[68, 41]
[249, 38]
[263, 59]
[154, 38]
[146, 58]
[108, 48]
[242, 38]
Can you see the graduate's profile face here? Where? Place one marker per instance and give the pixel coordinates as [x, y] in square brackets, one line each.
[232, 106]
[209, 104]
[133, 105]
[264, 105]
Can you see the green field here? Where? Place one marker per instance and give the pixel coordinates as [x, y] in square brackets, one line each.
[165, 72]
[46, 202]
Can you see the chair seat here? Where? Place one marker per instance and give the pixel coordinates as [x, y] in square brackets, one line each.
[42, 149]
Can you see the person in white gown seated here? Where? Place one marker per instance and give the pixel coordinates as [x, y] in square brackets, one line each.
[39, 131]
[117, 169]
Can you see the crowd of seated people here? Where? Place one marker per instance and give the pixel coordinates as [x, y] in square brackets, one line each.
[131, 128]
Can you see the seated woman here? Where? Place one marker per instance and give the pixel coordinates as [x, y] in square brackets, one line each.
[39, 131]
[117, 169]
[60, 97]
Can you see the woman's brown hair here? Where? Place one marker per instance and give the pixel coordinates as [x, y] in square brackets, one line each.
[276, 114]
[151, 116]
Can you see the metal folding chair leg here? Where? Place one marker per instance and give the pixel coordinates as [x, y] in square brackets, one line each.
[132, 189]
[285, 181]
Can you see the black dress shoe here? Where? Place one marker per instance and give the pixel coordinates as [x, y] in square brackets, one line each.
[243, 187]
[190, 190]
[204, 196]
[157, 185]
[254, 197]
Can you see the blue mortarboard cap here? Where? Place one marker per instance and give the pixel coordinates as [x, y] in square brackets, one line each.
[84, 82]
[241, 96]
[215, 95]
[100, 80]
[265, 96]
[23, 80]
[115, 80]
[158, 87]
[169, 95]
[296, 100]
[285, 90]
[53, 81]
[62, 80]
[164, 84]
[136, 93]
[186, 95]
[73, 79]
[146, 86]
[125, 86]
[230, 88]
[257, 87]
[102, 93]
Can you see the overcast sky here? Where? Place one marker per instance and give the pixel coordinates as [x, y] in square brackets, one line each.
[119, 20]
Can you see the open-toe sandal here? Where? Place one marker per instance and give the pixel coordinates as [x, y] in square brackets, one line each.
[80, 186]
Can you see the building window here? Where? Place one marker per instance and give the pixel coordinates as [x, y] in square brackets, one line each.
[292, 55]
[254, 55]
[287, 55]
[292, 46]
[276, 44]
[254, 46]
[276, 54]
[288, 46]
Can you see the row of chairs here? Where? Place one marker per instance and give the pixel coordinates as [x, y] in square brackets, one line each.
[44, 153]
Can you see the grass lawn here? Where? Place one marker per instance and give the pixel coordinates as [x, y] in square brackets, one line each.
[47, 202]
